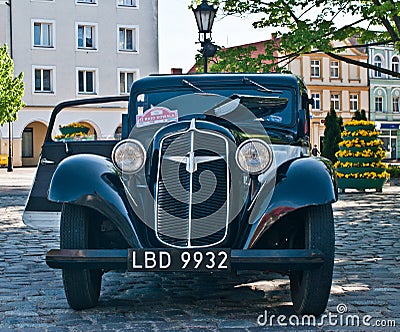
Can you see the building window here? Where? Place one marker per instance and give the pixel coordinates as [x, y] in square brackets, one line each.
[86, 81]
[126, 78]
[335, 102]
[43, 34]
[127, 39]
[87, 1]
[316, 101]
[377, 63]
[396, 101]
[27, 143]
[334, 69]
[395, 64]
[315, 68]
[86, 36]
[127, 3]
[353, 102]
[378, 104]
[43, 80]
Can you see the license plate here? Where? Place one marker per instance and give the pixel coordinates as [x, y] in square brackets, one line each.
[179, 260]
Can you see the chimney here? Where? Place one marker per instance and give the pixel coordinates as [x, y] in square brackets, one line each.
[176, 71]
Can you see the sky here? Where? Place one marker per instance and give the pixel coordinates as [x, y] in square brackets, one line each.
[178, 34]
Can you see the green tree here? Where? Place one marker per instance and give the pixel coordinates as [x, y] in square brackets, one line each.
[360, 115]
[306, 26]
[240, 59]
[11, 88]
[333, 125]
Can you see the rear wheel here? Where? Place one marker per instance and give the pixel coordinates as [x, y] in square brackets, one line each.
[81, 286]
[310, 289]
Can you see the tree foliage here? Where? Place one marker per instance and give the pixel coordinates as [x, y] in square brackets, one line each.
[305, 26]
[333, 128]
[360, 115]
[241, 59]
[11, 88]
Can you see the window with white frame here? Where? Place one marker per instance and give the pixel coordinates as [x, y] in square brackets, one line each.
[86, 81]
[396, 105]
[335, 102]
[127, 3]
[395, 64]
[378, 63]
[316, 101]
[334, 65]
[43, 79]
[86, 36]
[126, 78]
[315, 68]
[378, 104]
[127, 38]
[353, 102]
[43, 33]
[87, 1]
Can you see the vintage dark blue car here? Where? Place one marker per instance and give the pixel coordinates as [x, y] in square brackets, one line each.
[212, 174]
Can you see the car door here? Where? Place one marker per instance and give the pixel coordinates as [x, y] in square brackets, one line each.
[39, 211]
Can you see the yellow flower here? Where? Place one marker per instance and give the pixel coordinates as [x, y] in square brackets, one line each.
[359, 123]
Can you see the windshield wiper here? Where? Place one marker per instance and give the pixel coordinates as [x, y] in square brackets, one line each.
[261, 87]
[193, 86]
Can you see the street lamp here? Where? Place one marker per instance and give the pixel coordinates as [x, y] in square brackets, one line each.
[205, 14]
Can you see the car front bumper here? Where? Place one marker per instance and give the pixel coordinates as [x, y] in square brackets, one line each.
[251, 259]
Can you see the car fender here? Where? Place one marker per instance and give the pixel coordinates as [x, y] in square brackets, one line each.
[299, 183]
[93, 181]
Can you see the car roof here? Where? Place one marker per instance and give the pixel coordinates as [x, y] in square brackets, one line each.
[154, 82]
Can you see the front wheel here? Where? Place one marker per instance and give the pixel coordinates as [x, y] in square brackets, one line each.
[81, 286]
[310, 289]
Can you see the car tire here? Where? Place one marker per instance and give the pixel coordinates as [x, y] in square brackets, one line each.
[81, 286]
[310, 289]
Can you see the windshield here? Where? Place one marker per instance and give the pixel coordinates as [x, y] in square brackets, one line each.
[275, 107]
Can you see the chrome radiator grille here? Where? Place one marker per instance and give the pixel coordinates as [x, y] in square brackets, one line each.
[192, 193]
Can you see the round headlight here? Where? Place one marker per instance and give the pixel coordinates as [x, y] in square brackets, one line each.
[129, 156]
[254, 156]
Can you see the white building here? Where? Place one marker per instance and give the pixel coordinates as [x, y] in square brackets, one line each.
[385, 97]
[71, 49]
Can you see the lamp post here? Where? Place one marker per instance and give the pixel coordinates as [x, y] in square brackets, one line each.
[10, 151]
[205, 14]
[10, 139]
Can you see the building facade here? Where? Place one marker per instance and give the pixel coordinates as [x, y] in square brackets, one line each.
[385, 98]
[75, 49]
[333, 84]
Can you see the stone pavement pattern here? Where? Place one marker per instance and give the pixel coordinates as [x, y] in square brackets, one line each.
[366, 278]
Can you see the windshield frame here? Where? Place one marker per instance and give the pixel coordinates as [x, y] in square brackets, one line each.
[225, 91]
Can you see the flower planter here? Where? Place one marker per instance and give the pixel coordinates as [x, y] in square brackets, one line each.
[357, 128]
[361, 184]
[358, 176]
[358, 159]
[74, 130]
[359, 149]
[359, 170]
[364, 138]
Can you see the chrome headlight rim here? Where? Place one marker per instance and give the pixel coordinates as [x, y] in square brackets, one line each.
[129, 141]
[266, 145]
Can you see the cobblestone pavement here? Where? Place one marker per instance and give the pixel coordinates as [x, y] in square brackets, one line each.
[366, 279]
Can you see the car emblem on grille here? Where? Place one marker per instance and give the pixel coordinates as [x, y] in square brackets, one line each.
[191, 161]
